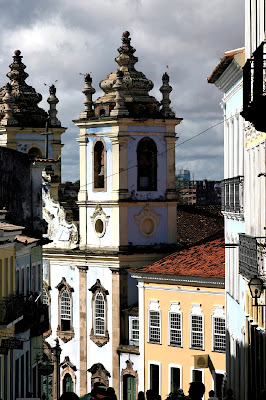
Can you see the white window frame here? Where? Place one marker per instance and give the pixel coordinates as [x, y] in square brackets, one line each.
[218, 312]
[66, 313]
[180, 367]
[175, 309]
[154, 307]
[131, 339]
[99, 294]
[196, 310]
[160, 374]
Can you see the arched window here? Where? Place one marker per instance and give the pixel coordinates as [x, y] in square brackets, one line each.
[65, 328]
[35, 152]
[99, 166]
[99, 333]
[147, 164]
[65, 311]
[99, 314]
[67, 383]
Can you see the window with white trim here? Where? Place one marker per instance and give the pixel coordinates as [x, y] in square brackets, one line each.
[154, 321]
[99, 332]
[65, 328]
[133, 330]
[175, 325]
[155, 328]
[218, 329]
[65, 311]
[99, 314]
[196, 327]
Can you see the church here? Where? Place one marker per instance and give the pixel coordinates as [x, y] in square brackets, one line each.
[127, 218]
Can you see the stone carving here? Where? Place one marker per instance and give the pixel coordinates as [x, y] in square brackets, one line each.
[250, 132]
[8, 102]
[136, 93]
[26, 99]
[166, 89]
[63, 234]
[147, 221]
[52, 101]
[119, 88]
[99, 221]
[88, 91]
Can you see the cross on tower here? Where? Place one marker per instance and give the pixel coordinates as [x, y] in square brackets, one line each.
[46, 133]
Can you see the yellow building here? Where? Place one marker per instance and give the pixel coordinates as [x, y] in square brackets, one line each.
[182, 320]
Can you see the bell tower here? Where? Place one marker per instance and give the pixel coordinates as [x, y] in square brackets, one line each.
[127, 198]
[26, 127]
[127, 161]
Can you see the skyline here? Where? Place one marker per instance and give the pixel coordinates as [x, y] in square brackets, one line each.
[58, 41]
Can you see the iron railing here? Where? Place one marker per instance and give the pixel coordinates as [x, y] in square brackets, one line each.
[252, 256]
[233, 194]
[11, 308]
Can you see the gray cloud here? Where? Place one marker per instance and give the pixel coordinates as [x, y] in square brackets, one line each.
[59, 39]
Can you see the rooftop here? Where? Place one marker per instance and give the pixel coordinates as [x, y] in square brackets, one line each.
[204, 260]
[223, 64]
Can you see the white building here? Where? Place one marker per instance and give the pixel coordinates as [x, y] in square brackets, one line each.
[127, 206]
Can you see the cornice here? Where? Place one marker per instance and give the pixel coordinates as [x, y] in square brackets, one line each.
[175, 279]
[230, 76]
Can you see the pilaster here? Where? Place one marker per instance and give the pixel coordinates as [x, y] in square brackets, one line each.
[170, 149]
[116, 329]
[83, 328]
[82, 196]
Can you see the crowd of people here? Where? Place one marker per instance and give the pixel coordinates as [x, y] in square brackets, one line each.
[196, 392]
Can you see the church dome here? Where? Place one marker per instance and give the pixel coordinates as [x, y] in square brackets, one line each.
[25, 99]
[136, 86]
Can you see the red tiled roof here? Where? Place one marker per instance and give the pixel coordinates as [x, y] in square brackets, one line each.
[204, 260]
[223, 64]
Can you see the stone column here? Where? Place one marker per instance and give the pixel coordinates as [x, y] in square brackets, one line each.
[56, 351]
[116, 329]
[82, 196]
[170, 165]
[83, 328]
[123, 166]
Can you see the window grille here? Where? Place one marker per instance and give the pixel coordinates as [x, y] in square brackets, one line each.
[45, 297]
[99, 315]
[175, 329]
[134, 329]
[65, 311]
[196, 332]
[218, 334]
[154, 327]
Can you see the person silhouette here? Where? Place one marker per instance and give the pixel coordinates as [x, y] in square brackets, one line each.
[196, 390]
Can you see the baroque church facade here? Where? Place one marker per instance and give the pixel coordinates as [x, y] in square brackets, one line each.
[127, 218]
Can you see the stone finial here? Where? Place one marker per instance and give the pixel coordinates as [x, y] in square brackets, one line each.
[88, 91]
[126, 56]
[166, 89]
[119, 86]
[8, 102]
[52, 101]
[26, 99]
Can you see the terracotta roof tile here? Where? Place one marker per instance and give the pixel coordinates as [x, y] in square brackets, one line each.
[204, 260]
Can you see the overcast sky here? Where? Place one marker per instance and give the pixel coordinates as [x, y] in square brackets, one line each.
[59, 39]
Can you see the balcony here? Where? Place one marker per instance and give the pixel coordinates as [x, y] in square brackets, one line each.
[35, 316]
[254, 88]
[11, 310]
[252, 256]
[233, 195]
